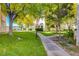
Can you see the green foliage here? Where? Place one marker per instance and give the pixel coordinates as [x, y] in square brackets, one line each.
[69, 35]
[48, 33]
[55, 14]
[39, 29]
[3, 9]
[61, 13]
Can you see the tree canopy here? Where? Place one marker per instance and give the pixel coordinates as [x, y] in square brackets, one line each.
[54, 13]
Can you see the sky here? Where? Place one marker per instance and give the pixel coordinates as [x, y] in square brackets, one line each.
[7, 22]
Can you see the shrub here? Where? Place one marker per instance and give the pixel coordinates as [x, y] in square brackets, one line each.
[30, 29]
[70, 36]
[39, 29]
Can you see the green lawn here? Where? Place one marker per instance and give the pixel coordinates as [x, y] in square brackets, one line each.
[48, 33]
[21, 44]
[52, 33]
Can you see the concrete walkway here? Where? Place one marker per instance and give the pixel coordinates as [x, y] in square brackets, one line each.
[51, 47]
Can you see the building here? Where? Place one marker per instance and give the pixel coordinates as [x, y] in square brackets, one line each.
[40, 23]
[2, 22]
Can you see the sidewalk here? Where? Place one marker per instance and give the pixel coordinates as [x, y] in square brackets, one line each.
[52, 48]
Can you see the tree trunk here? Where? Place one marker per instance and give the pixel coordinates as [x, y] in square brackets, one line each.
[58, 30]
[57, 27]
[10, 25]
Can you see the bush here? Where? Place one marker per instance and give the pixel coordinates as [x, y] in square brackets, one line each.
[30, 29]
[69, 34]
[39, 29]
[70, 41]
[70, 37]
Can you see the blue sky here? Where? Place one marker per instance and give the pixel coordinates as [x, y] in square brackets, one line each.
[7, 21]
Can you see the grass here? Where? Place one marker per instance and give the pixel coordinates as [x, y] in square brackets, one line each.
[48, 33]
[21, 44]
[52, 33]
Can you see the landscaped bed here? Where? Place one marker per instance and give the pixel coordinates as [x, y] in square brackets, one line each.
[71, 49]
[21, 44]
[68, 44]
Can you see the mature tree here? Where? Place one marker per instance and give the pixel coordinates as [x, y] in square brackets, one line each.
[70, 18]
[12, 10]
[57, 13]
[26, 21]
[53, 13]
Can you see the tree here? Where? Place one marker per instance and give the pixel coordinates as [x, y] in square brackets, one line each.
[58, 12]
[70, 18]
[53, 13]
[12, 10]
[27, 21]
